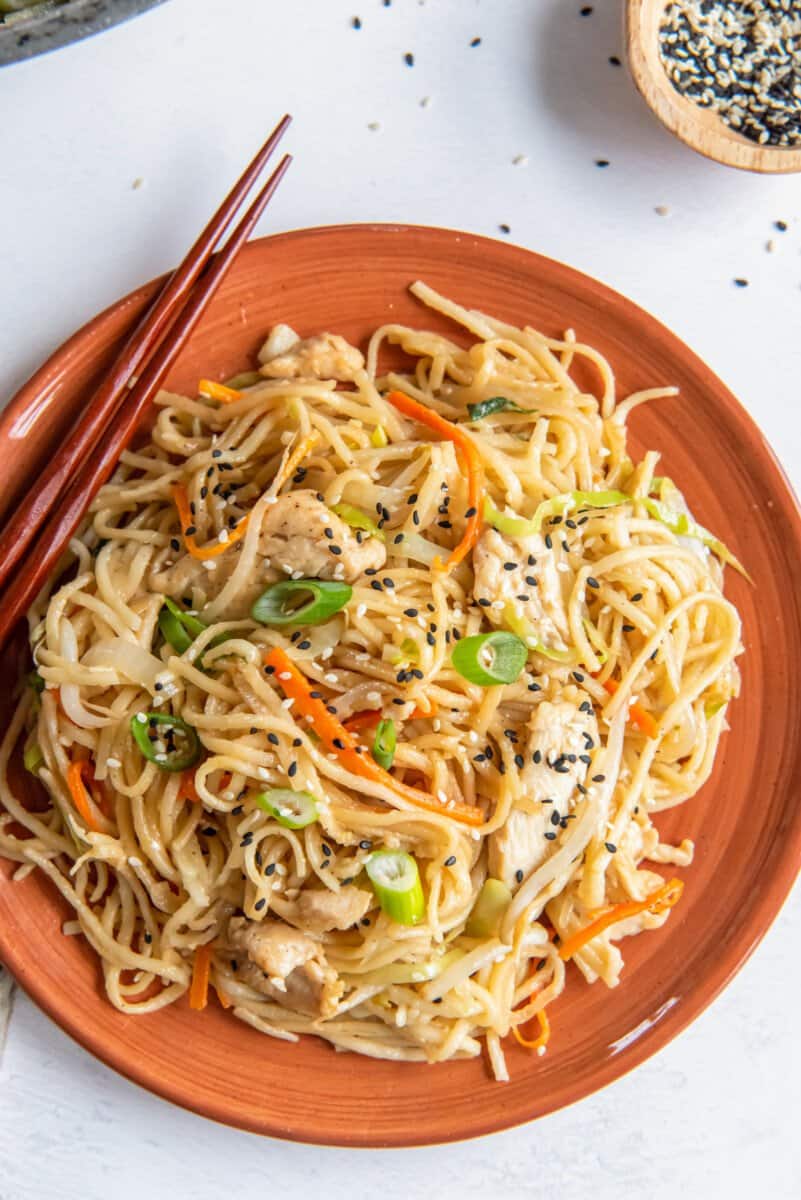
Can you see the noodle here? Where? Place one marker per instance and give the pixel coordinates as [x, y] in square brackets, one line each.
[545, 783]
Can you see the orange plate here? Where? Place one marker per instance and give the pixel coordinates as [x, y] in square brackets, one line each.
[351, 279]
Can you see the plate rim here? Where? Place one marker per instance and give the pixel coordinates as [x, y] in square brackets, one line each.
[763, 910]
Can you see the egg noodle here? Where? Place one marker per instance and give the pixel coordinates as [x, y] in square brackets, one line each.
[414, 889]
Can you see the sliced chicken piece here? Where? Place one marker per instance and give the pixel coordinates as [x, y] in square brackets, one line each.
[320, 909]
[504, 570]
[285, 965]
[561, 737]
[325, 356]
[301, 536]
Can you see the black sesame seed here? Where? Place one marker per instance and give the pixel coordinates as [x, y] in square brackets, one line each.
[450, 862]
[504, 228]
[781, 226]
[586, 11]
[577, 675]
[629, 628]
[304, 645]
[148, 938]
[534, 687]
[550, 836]
[175, 544]
[510, 566]
[602, 162]
[365, 845]
[335, 549]
[356, 23]
[476, 41]
[484, 602]
[548, 541]
[430, 639]
[585, 706]
[555, 817]
[269, 869]
[519, 761]
[637, 596]
[537, 757]
[190, 531]
[471, 512]
[216, 454]
[208, 831]
[408, 59]
[598, 778]
[611, 847]
[741, 283]
[412, 499]
[235, 812]
[519, 876]
[398, 538]
[592, 582]
[614, 60]
[326, 849]
[292, 770]
[410, 612]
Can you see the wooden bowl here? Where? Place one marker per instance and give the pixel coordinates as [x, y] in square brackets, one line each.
[746, 822]
[700, 128]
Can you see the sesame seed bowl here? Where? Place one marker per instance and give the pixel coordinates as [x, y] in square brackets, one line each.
[745, 821]
[721, 77]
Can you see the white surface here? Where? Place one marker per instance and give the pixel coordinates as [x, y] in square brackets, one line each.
[180, 98]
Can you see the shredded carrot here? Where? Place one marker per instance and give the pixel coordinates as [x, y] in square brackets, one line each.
[469, 461]
[639, 716]
[541, 1040]
[199, 988]
[366, 718]
[663, 898]
[79, 793]
[181, 500]
[295, 459]
[339, 741]
[217, 391]
[186, 788]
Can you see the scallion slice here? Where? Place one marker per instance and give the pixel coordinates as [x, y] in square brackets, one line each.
[181, 748]
[32, 757]
[178, 627]
[396, 883]
[490, 906]
[490, 658]
[485, 408]
[301, 602]
[358, 520]
[384, 743]
[293, 810]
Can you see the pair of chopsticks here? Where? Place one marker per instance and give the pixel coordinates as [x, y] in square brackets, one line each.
[35, 537]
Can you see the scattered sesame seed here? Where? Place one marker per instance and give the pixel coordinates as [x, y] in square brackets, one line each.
[741, 283]
[519, 876]
[408, 58]
[504, 228]
[356, 23]
[476, 41]
[602, 162]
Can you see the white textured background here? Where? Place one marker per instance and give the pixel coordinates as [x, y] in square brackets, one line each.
[180, 99]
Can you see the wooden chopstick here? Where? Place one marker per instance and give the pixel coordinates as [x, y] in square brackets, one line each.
[35, 508]
[56, 531]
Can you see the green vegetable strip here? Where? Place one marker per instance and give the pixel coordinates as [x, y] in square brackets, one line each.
[283, 603]
[174, 757]
[384, 743]
[485, 408]
[396, 883]
[32, 757]
[293, 810]
[524, 630]
[683, 526]
[491, 904]
[358, 520]
[490, 658]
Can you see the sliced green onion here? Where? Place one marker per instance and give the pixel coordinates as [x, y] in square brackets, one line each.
[293, 810]
[245, 380]
[185, 750]
[301, 602]
[178, 627]
[683, 526]
[358, 520]
[490, 658]
[485, 408]
[379, 438]
[488, 910]
[32, 757]
[396, 883]
[552, 507]
[384, 743]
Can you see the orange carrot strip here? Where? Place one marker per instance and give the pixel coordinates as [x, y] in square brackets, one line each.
[186, 788]
[539, 1042]
[80, 795]
[664, 897]
[218, 391]
[364, 719]
[181, 500]
[201, 968]
[339, 741]
[638, 715]
[295, 459]
[470, 461]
